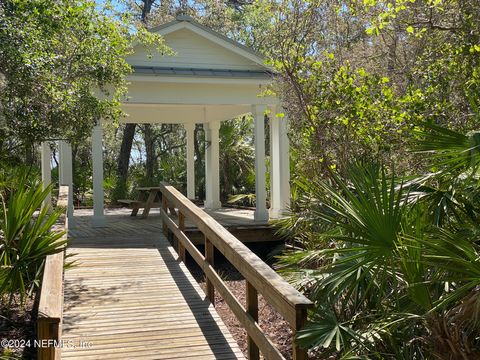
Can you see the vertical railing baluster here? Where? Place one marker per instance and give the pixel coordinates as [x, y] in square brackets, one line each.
[181, 226]
[300, 322]
[209, 257]
[291, 304]
[252, 309]
[165, 209]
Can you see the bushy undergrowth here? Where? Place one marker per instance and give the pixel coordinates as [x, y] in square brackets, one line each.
[393, 263]
[25, 234]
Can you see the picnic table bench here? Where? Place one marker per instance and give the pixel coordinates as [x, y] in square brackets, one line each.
[148, 197]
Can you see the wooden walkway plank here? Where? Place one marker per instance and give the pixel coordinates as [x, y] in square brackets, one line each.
[129, 297]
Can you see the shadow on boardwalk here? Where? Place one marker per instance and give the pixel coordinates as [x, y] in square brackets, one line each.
[131, 298]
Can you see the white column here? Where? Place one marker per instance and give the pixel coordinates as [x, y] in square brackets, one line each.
[190, 130]
[275, 176]
[46, 158]
[280, 165]
[212, 166]
[65, 175]
[97, 160]
[61, 167]
[284, 165]
[261, 212]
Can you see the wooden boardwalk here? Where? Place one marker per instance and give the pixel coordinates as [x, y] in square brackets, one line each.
[129, 297]
[239, 222]
[225, 216]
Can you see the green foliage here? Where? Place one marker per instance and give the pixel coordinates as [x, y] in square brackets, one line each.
[454, 152]
[391, 261]
[10, 175]
[237, 160]
[451, 187]
[62, 66]
[116, 189]
[381, 268]
[248, 199]
[25, 238]
[349, 111]
[356, 77]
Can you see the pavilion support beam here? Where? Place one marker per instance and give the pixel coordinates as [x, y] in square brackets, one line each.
[275, 188]
[280, 165]
[212, 165]
[190, 129]
[261, 212]
[46, 158]
[65, 175]
[284, 166]
[98, 219]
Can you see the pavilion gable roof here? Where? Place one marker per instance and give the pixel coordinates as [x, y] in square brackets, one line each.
[199, 51]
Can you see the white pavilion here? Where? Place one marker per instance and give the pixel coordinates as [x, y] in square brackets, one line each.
[209, 79]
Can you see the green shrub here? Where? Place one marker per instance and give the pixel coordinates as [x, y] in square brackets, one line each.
[392, 264]
[25, 238]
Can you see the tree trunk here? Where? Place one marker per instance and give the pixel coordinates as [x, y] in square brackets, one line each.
[125, 149]
[128, 133]
[392, 52]
[199, 169]
[75, 184]
[150, 152]
[29, 154]
[124, 160]
[147, 130]
[146, 8]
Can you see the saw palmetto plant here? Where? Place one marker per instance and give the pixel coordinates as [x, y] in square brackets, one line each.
[393, 264]
[26, 238]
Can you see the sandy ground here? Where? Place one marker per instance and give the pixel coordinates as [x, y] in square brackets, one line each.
[271, 322]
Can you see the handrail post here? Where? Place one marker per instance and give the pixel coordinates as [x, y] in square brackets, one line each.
[50, 303]
[48, 329]
[165, 208]
[300, 322]
[181, 226]
[209, 257]
[260, 278]
[252, 309]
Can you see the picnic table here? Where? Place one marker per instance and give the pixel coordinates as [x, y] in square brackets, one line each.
[148, 197]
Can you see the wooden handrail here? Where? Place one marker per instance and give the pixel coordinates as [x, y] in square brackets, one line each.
[260, 278]
[50, 307]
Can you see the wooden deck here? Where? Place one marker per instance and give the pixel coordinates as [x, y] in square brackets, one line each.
[129, 297]
[225, 216]
[239, 222]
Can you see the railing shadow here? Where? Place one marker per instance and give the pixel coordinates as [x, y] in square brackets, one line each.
[134, 233]
[79, 293]
[208, 324]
